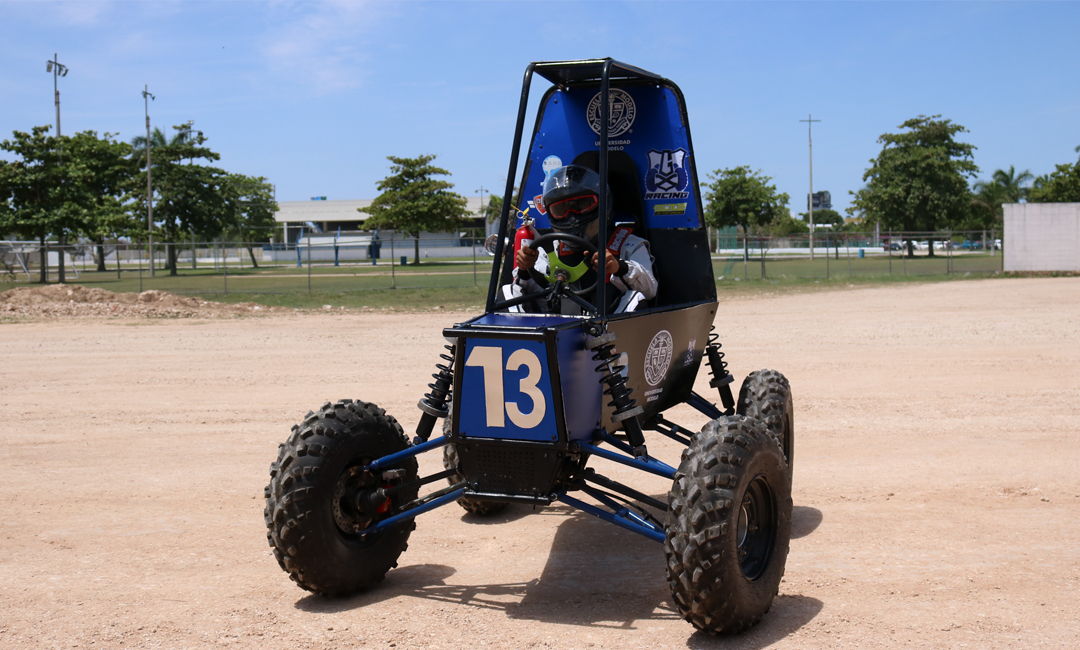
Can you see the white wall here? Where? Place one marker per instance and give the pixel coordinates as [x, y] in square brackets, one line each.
[1042, 237]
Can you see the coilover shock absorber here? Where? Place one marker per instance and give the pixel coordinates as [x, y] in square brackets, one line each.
[436, 404]
[721, 377]
[626, 408]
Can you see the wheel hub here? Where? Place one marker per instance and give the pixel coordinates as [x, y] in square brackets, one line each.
[351, 501]
[756, 532]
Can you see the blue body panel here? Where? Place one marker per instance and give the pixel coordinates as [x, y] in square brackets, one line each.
[581, 387]
[510, 397]
[517, 320]
[646, 124]
[555, 346]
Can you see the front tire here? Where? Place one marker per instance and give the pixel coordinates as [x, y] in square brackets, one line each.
[728, 525]
[766, 395]
[319, 499]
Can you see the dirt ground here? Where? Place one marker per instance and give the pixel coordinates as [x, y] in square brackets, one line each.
[936, 484]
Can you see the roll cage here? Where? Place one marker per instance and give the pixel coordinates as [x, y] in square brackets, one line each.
[676, 234]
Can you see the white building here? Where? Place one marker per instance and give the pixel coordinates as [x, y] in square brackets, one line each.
[334, 230]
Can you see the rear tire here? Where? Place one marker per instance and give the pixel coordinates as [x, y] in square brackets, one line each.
[312, 511]
[728, 525]
[451, 461]
[766, 395]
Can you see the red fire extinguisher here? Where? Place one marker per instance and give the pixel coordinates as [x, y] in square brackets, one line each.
[524, 235]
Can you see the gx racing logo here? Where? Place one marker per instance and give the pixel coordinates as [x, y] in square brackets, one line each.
[515, 387]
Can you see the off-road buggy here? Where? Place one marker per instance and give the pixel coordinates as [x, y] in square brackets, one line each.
[528, 399]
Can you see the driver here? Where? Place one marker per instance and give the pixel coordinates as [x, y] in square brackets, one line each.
[572, 199]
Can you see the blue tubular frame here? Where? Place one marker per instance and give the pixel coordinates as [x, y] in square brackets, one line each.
[704, 406]
[418, 510]
[415, 450]
[622, 515]
[621, 518]
[650, 465]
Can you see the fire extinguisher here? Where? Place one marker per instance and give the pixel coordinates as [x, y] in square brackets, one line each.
[524, 235]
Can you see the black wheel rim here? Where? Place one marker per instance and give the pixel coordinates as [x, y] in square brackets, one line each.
[756, 535]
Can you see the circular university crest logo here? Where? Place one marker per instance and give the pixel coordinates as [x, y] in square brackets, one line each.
[621, 113]
[658, 357]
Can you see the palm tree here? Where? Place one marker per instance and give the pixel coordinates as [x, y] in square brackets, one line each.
[1012, 184]
[987, 201]
[157, 139]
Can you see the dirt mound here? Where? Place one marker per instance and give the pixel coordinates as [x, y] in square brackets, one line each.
[64, 300]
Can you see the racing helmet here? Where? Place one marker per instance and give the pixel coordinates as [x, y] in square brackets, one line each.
[572, 199]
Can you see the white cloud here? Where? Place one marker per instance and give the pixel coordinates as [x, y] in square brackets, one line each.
[323, 46]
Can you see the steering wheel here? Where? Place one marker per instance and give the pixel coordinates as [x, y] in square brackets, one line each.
[579, 242]
[559, 289]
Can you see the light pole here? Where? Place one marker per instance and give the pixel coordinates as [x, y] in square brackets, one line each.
[149, 194]
[483, 216]
[58, 70]
[810, 203]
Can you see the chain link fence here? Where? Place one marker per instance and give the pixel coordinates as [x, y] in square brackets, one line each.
[855, 255]
[394, 262]
[253, 268]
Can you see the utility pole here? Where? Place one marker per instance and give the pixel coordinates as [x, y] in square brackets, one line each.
[481, 193]
[149, 193]
[810, 204]
[58, 70]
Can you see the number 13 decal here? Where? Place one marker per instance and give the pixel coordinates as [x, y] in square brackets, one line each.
[489, 359]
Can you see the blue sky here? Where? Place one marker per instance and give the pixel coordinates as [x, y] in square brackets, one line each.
[315, 96]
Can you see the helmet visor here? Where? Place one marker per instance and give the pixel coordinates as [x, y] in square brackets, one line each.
[575, 205]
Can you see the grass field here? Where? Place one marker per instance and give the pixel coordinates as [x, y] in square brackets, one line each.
[458, 284]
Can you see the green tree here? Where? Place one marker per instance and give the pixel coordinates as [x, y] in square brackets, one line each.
[1061, 186]
[157, 139]
[919, 181]
[744, 198]
[986, 206]
[493, 210]
[101, 170]
[253, 201]
[189, 199]
[825, 216]
[787, 225]
[1013, 184]
[62, 187]
[413, 202]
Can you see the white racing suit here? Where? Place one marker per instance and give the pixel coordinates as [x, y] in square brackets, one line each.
[636, 285]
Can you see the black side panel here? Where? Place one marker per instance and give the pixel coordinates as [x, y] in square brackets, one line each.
[682, 266]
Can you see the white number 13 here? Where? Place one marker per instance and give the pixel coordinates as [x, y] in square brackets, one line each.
[489, 358]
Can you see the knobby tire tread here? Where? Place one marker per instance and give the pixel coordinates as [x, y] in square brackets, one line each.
[766, 396]
[299, 519]
[703, 570]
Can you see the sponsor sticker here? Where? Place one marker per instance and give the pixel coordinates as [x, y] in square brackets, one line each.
[689, 359]
[537, 204]
[667, 176]
[664, 209]
[551, 163]
[621, 113]
[658, 357]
